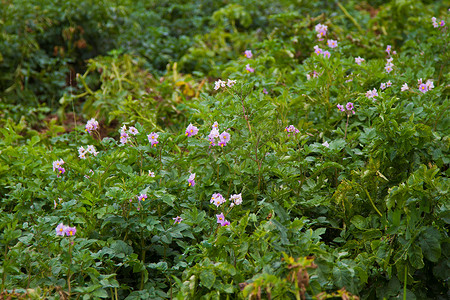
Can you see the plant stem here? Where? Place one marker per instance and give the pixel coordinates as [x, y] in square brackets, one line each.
[405, 280]
[70, 265]
[346, 126]
[5, 262]
[373, 204]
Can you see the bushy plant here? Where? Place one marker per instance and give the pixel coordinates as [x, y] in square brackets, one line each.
[315, 165]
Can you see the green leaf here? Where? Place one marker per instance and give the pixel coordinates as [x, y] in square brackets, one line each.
[430, 243]
[415, 256]
[359, 222]
[207, 278]
[101, 293]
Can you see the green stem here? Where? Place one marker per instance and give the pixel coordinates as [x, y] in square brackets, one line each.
[350, 17]
[373, 204]
[5, 262]
[346, 126]
[70, 266]
[405, 280]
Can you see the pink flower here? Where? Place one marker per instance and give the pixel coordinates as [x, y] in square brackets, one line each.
[265, 91]
[224, 137]
[359, 60]
[177, 220]
[61, 171]
[191, 180]
[217, 199]
[70, 231]
[91, 125]
[57, 164]
[332, 43]
[133, 130]
[317, 50]
[423, 88]
[191, 130]
[321, 30]
[383, 86]
[325, 144]
[388, 49]
[341, 107]
[372, 94]
[291, 129]
[388, 68]
[236, 200]
[248, 53]
[220, 218]
[60, 229]
[142, 197]
[231, 83]
[218, 84]
[326, 54]
[153, 138]
[249, 69]
[404, 87]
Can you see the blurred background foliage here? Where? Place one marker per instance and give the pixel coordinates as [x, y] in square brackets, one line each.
[45, 43]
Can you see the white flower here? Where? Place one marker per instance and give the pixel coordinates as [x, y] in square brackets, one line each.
[405, 87]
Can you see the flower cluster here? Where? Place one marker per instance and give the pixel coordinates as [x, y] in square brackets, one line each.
[142, 197]
[57, 165]
[221, 220]
[90, 149]
[359, 60]
[191, 130]
[425, 87]
[314, 75]
[383, 86]
[372, 94]
[191, 180]
[235, 200]
[223, 137]
[177, 220]
[62, 230]
[91, 125]
[217, 199]
[389, 65]
[321, 30]
[249, 69]
[153, 138]
[291, 129]
[248, 53]
[319, 51]
[347, 109]
[123, 135]
[220, 83]
[436, 24]
[332, 43]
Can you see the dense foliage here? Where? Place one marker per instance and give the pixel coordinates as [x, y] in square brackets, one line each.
[224, 150]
